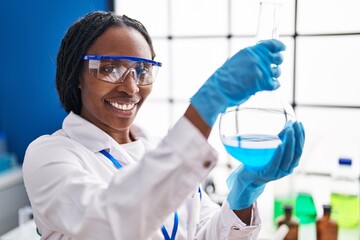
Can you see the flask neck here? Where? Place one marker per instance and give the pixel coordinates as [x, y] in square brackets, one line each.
[268, 20]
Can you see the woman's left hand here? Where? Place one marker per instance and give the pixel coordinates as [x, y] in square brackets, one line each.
[247, 183]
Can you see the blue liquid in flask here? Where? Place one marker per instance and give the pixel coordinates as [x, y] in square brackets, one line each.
[252, 150]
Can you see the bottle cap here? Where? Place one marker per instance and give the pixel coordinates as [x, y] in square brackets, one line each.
[327, 208]
[345, 161]
[288, 208]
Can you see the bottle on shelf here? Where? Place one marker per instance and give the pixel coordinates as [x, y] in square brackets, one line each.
[326, 227]
[344, 198]
[284, 195]
[7, 160]
[291, 222]
[305, 209]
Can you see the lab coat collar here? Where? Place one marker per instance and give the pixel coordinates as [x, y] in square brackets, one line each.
[86, 133]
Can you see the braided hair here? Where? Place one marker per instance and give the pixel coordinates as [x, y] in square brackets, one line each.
[75, 44]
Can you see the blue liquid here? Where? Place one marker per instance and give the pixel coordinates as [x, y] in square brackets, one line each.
[254, 150]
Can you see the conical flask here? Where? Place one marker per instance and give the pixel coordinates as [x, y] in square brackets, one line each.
[250, 131]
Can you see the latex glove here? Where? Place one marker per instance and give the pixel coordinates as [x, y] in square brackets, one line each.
[250, 70]
[247, 183]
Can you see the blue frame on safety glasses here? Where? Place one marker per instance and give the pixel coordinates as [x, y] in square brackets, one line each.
[115, 69]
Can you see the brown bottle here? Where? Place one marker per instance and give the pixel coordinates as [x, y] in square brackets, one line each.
[326, 228]
[291, 222]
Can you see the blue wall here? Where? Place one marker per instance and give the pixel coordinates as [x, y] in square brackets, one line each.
[31, 32]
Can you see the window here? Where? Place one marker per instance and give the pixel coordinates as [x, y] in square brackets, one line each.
[320, 71]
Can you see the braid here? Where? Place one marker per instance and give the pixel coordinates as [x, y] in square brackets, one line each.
[75, 44]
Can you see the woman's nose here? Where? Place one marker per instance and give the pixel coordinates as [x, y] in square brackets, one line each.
[129, 83]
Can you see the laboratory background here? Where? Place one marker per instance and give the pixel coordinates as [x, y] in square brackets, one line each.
[192, 38]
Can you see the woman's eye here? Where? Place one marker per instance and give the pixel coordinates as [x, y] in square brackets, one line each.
[108, 69]
[142, 69]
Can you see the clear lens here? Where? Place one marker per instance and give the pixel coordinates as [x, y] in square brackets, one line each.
[116, 71]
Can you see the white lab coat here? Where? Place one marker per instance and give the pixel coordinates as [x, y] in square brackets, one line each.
[77, 193]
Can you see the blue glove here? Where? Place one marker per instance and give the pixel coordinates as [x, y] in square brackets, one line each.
[247, 72]
[247, 183]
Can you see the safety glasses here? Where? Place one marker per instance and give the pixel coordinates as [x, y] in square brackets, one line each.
[115, 69]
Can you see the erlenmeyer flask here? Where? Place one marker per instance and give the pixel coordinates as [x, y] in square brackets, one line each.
[268, 20]
[250, 131]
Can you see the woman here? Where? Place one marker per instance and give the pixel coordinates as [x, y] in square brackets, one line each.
[95, 179]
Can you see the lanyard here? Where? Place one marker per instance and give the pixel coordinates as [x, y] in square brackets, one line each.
[163, 229]
[173, 234]
[111, 157]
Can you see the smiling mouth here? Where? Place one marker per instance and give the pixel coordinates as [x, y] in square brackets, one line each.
[123, 107]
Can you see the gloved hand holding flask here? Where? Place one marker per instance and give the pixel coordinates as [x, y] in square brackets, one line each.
[250, 70]
[247, 183]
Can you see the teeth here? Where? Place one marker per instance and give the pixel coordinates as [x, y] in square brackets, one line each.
[124, 107]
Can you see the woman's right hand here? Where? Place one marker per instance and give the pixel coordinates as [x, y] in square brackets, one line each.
[250, 70]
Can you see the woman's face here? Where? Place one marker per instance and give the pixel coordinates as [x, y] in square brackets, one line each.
[113, 107]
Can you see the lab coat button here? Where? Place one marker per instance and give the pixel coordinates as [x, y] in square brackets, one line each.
[207, 164]
[235, 228]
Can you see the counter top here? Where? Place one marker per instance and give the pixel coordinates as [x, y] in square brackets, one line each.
[10, 177]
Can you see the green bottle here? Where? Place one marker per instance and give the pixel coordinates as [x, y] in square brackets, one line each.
[284, 195]
[344, 197]
[305, 209]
